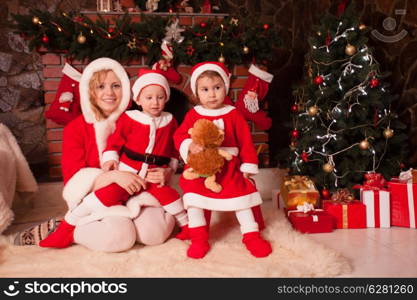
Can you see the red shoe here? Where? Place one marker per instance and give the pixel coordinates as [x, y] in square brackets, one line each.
[184, 234]
[62, 237]
[199, 242]
[256, 245]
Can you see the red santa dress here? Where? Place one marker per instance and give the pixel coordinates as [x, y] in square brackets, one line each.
[238, 192]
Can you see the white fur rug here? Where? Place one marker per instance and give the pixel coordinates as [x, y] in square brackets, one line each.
[294, 255]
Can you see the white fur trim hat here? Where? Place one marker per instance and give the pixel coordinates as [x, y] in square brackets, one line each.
[149, 77]
[215, 66]
[99, 64]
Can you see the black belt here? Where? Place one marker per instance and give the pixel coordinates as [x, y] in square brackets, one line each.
[147, 158]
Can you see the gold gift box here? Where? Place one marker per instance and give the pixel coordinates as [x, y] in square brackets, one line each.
[297, 190]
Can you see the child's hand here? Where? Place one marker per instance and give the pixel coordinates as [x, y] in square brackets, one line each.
[131, 182]
[195, 148]
[159, 176]
[110, 165]
[247, 175]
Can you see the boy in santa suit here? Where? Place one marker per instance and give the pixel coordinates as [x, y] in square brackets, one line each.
[141, 143]
[210, 84]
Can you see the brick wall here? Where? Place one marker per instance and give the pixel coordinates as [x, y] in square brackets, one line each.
[54, 62]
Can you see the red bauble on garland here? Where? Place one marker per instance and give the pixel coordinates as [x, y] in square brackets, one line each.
[318, 80]
[294, 108]
[374, 82]
[266, 26]
[203, 25]
[45, 39]
[295, 133]
[304, 156]
[325, 194]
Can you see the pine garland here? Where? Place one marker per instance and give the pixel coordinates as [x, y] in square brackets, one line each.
[236, 39]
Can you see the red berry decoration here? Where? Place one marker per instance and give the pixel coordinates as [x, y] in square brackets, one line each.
[374, 83]
[266, 26]
[294, 108]
[318, 80]
[295, 134]
[45, 39]
[203, 25]
[304, 156]
[325, 194]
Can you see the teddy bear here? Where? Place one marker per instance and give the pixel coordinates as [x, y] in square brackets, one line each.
[210, 160]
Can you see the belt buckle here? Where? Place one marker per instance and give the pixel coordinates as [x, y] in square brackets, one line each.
[149, 159]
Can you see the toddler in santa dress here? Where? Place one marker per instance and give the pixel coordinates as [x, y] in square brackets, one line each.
[210, 83]
[141, 142]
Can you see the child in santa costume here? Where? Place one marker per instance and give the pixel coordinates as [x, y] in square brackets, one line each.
[105, 94]
[210, 84]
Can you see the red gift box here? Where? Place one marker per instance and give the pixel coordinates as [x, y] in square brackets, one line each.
[346, 215]
[403, 203]
[314, 221]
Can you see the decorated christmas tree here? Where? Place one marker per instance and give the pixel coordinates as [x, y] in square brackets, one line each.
[343, 122]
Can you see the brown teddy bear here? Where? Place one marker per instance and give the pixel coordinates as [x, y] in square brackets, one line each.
[210, 160]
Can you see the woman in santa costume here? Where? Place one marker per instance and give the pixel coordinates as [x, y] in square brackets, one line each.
[210, 83]
[104, 96]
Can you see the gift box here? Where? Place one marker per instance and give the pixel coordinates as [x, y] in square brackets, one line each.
[277, 201]
[297, 190]
[403, 203]
[312, 221]
[409, 176]
[346, 215]
[378, 210]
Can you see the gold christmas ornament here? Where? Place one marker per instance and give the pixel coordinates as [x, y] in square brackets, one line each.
[362, 26]
[81, 39]
[388, 133]
[319, 33]
[222, 59]
[246, 50]
[364, 145]
[328, 168]
[35, 20]
[350, 49]
[313, 110]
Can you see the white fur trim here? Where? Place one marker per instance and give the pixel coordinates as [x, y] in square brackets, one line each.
[66, 97]
[185, 145]
[163, 120]
[71, 72]
[79, 185]
[209, 67]
[265, 76]
[150, 79]
[103, 129]
[249, 168]
[110, 155]
[214, 112]
[174, 207]
[229, 204]
[94, 203]
[173, 164]
[125, 167]
[99, 64]
[219, 123]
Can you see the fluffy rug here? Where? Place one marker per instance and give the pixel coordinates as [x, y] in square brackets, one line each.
[294, 255]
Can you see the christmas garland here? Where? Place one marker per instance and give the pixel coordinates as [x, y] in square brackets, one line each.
[234, 40]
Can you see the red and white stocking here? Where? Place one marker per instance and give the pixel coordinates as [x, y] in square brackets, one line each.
[165, 65]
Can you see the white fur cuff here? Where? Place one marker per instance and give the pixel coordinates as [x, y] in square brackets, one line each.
[249, 168]
[185, 145]
[110, 155]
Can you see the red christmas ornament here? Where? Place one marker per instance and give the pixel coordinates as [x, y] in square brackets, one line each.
[190, 50]
[203, 25]
[111, 30]
[304, 156]
[294, 108]
[325, 194]
[295, 134]
[318, 80]
[266, 26]
[45, 39]
[374, 83]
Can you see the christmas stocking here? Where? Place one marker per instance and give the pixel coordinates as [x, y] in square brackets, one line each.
[165, 65]
[254, 91]
[66, 105]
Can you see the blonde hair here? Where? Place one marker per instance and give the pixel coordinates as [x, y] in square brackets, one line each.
[95, 81]
[209, 74]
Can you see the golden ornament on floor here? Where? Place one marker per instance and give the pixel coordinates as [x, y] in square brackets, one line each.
[35, 20]
[364, 145]
[388, 133]
[81, 39]
[328, 168]
[350, 50]
[313, 110]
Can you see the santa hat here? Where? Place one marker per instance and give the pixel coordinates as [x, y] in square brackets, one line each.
[215, 66]
[150, 77]
[103, 63]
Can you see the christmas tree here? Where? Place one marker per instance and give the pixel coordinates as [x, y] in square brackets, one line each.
[343, 124]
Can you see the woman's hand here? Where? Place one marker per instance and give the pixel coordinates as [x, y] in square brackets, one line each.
[110, 165]
[159, 176]
[131, 182]
[195, 148]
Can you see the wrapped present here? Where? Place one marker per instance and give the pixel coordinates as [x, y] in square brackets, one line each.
[297, 190]
[409, 176]
[277, 201]
[346, 211]
[377, 200]
[403, 203]
[307, 219]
